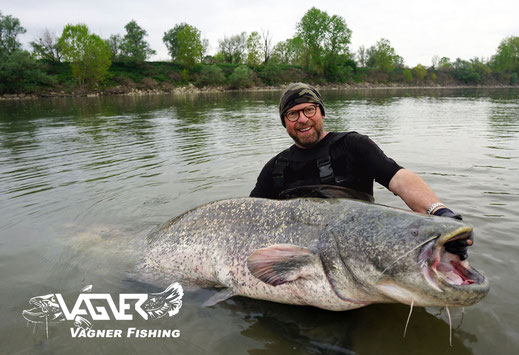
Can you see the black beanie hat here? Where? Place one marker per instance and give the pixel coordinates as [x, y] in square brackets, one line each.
[298, 93]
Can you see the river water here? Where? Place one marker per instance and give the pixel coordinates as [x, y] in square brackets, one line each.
[83, 181]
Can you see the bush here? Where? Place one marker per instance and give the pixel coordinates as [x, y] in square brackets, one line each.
[408, 76]
[210, 75]
[20, 73]
[270, 73]
[340, 70]
[464, 71]
[420, 72]
[184, 74]
[342, 74]
[241, 77]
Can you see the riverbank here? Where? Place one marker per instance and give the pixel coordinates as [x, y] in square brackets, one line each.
[129, 91]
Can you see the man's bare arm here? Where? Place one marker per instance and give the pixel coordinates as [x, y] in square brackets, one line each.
[413, 191]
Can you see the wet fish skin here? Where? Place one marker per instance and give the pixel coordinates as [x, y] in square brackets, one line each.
[335, 254]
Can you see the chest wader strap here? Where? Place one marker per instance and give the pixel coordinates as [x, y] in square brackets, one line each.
[326, 175]
[324, 164]
[278, 172]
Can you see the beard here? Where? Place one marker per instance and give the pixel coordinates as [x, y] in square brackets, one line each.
[308, 140]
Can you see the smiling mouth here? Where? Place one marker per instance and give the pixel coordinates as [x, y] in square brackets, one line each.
[306, 129]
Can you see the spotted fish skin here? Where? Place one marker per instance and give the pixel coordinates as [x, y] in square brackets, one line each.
[336, 254]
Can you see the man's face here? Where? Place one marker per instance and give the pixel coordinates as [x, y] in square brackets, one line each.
[306, 132]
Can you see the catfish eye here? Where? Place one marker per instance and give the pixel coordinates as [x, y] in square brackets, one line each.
[414, 232]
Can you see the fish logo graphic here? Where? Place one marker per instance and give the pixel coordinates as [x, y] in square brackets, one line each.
[52, 308]
[167, 302]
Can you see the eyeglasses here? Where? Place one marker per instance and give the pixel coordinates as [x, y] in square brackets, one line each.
[308, 111]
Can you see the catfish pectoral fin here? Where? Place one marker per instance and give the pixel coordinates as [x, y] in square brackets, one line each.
[220, 296]
[281, 263]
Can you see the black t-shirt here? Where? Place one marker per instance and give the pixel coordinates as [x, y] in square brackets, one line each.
[355, 158]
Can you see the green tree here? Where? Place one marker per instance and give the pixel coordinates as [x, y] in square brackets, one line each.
[185, 44]
[312, 30]
[325, 38]
[191, 46]
[481, 68]
[336, 46]
[444, 64]
[289, 51]
[420, 72]
[362, 56]
[134, 48]
[88, 54]
[266, 46]
[10, 28]
[19, 72]
[114, 42]
[233, 48]
[408, 76]
[46, 47]
[254, 49]
[506, 60]
[171, 41]
[383, 57]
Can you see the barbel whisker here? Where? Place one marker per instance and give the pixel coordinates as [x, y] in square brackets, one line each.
[450, 325]
[461, 320]
[408, 317]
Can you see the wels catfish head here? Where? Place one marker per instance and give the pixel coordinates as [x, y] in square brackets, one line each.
[449, 280]
[401, 256]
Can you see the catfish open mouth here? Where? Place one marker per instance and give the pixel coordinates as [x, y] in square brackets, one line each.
[438, 265]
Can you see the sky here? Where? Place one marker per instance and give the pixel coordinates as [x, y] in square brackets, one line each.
[416, 29]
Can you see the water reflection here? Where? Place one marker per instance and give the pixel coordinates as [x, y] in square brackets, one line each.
[504, 121]
[291, 329]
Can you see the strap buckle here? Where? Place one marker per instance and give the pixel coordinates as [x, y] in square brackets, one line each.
[325, 171]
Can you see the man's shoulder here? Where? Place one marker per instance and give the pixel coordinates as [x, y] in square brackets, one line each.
[346, 134]
[346, 137]
[350, 137]
[351, 142]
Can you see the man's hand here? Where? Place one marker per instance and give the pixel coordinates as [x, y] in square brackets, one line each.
[458, 247]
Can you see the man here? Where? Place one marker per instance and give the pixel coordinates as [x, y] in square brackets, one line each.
[348, 160]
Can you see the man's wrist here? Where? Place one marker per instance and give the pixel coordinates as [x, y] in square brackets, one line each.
[435, 206]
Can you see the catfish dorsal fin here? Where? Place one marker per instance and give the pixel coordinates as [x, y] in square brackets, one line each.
[280, 263]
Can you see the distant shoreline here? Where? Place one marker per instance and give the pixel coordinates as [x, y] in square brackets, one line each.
[191, 89]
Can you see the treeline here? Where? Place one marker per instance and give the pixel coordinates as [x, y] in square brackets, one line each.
[318, 53]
